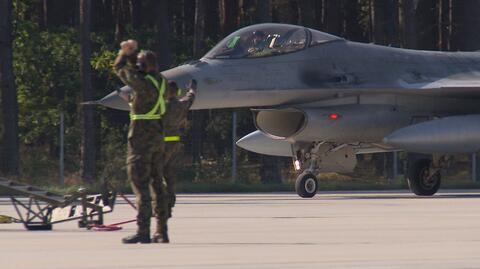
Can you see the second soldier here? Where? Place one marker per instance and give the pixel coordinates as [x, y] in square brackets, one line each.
[174, 120]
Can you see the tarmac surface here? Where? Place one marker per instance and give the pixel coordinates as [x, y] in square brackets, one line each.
[333, 230]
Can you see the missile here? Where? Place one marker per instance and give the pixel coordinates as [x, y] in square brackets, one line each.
[453, 135]
[113, 100]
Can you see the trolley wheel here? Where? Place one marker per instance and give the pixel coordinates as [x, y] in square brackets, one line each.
[39, 227]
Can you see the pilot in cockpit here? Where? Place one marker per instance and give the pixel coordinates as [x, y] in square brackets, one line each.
[259, 44]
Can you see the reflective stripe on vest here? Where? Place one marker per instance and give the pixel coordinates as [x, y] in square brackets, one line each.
[159, 109]
[172, 138]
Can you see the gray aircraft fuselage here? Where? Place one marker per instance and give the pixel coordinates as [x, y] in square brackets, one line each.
[321, 100]
[375, 89]
[335, 69]
[300, 77]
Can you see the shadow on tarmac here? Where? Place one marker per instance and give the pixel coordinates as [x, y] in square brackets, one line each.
[403, 197]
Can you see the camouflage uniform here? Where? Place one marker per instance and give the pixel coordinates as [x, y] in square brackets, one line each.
[145, 145]
[174, 120]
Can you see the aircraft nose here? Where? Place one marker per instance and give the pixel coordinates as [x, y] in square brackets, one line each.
[182, 75]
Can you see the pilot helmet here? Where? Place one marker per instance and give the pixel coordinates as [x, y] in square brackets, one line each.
[259, 33]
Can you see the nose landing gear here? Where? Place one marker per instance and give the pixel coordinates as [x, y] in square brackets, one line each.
[306, 185]
[314, 158]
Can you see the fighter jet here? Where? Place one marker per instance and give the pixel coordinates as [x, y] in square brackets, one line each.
[322, 100]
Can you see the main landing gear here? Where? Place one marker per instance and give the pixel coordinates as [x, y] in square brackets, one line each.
[423, 174]
[424, 178]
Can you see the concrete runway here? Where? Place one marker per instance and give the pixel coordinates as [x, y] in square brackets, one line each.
[333, 230]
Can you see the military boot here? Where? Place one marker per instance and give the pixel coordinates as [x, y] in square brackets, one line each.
[137, 238]
[161, 236]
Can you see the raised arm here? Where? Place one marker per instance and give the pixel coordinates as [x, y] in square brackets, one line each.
[189, 97]
[125, 65]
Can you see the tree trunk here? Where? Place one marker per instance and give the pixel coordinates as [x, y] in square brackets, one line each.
[163, 35]
[211, 21]
[379, 36]
[119, 20]
[319, 5]
[270, 170]
[198, 117]
[42, 14]
[385, 22]
[198, 38]
[61, 13]
[264, 11]
[333, 18]
[378, 160]
[409, 24]
[444, 25]
[88, 112]
[10, 140]
[136, 13]
[427, 19]
[467, 25]
[306, 13]
[286, 11]
[228, 12]
[103, 15]
[392, 23]
[353, 29]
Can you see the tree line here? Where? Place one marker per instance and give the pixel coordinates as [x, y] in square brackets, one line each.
[54, 54]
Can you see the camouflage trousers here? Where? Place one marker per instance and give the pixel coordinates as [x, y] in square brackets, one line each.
[171, 166]
[145, 173]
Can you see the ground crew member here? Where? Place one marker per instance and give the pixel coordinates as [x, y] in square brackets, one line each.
[145, 134]
[174, 121]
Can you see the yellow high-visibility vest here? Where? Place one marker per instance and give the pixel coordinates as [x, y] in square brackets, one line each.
[159, 109]
[171, 138]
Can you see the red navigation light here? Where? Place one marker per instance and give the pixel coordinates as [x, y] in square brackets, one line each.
[334, 116]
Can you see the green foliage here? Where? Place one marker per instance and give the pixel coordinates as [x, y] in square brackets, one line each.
[46, 70]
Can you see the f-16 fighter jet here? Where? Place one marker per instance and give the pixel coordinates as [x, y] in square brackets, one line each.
[321, 100]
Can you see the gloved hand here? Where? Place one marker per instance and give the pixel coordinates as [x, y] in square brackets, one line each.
[192, 86]
[128, 47]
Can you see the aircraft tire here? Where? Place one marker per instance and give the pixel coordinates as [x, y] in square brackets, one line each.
[418, 179]
[306, 185]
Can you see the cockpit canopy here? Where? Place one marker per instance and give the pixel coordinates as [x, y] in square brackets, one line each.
[267, 39]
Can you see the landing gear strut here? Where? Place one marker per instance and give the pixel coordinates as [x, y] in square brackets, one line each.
[314, 158]
[306, 185]
[423, 179]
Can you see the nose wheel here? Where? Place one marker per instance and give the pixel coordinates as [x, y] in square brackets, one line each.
[306, 185]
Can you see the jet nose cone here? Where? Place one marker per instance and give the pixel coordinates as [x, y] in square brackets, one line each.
[113, 100]
[182, 75]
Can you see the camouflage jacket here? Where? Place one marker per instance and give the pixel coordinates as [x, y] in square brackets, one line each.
[175, 119]
[143, 99]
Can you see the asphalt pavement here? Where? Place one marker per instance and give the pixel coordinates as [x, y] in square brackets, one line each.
[332, 230]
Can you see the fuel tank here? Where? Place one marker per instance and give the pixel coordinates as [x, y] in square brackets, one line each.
[454, 135]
